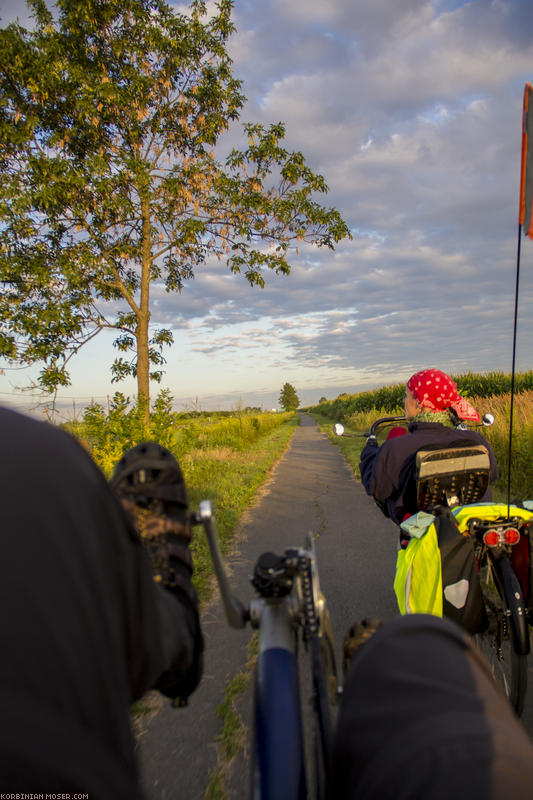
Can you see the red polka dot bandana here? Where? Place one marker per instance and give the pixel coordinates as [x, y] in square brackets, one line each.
[436, 391]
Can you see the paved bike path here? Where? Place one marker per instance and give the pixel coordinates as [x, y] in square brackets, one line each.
[311, 489]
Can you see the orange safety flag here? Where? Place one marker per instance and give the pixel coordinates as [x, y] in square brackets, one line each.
[526, 172]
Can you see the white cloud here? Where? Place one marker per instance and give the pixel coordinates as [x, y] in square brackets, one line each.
[412, 112]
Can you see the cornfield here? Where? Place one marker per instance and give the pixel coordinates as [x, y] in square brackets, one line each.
[522, 442]
[390, 398]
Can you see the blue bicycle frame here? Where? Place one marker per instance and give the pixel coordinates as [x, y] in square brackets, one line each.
[278, 763]
[289, 601]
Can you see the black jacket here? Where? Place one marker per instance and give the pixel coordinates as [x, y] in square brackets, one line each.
[386, 470]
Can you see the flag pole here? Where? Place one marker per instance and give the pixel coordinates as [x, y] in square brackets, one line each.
[524, 215]
[513, 369]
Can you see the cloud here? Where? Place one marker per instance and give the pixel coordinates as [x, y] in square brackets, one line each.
[412, 112]
[14, 11]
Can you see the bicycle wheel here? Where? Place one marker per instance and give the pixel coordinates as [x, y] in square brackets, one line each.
[502, 643]
[328, 658]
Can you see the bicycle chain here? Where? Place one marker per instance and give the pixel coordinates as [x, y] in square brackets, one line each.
[311, 621]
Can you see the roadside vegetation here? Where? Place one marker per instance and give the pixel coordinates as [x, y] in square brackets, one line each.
[225, 457]
[488, 393]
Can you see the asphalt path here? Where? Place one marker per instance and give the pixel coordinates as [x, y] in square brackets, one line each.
[311, 490]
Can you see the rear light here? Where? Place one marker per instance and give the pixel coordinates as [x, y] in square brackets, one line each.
[512, 536]
[491, 538]
[495, 537]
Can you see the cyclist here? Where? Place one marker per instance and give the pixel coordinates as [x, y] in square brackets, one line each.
[85, 629]
[386, 471]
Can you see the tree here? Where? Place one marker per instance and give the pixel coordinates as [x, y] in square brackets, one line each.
[288, 399]
[323, 400]
[109, 116]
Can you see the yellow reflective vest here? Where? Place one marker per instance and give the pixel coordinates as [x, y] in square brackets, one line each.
[418, 580]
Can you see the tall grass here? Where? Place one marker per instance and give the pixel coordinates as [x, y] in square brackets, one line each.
[235, 433]
[362, 420]
[522, 443]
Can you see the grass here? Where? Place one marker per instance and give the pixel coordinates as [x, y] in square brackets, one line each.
[522, 445]
[233, 728]
[215, 787]
[230, 479]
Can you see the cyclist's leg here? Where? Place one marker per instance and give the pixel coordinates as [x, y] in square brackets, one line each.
[81, 622]
[422, 717]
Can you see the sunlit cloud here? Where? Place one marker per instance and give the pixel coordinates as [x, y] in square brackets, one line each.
[412, 111]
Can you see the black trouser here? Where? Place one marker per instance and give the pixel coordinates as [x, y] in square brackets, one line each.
[421, 717]
[83, 627]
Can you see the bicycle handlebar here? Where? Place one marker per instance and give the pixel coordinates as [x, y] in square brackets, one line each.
[488, 419]
[384, 421]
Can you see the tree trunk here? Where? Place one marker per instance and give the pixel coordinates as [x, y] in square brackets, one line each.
[143, 365]
[143, 360]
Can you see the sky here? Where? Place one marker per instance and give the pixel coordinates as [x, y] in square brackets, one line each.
[411, 110]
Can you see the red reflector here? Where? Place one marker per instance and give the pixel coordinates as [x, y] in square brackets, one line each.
[512, 536]
[491, 538]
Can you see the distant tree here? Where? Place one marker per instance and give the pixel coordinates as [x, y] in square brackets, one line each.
[288, 399]
[323, 400]
[110, 111]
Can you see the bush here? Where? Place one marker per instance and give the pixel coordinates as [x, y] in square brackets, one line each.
[108, 435]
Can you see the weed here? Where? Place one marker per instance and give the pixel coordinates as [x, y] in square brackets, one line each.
[215, 786]
[234, 730]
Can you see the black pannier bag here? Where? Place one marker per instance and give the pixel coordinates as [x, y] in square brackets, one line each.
[462, 599]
